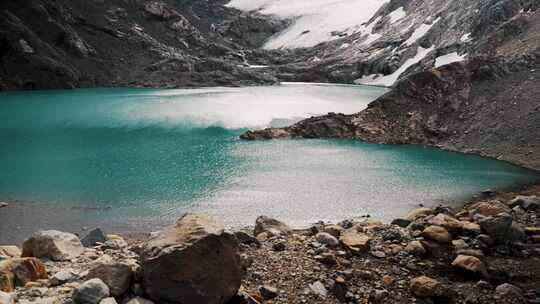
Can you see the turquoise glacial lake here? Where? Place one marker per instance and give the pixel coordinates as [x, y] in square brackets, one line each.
[135, 159]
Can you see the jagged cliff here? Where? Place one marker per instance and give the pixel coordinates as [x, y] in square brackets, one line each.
[66, 44]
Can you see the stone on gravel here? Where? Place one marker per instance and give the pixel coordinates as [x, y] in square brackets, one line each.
[424, 286]
[415, 248]
[93, 237]
[471, 227]
[268, 292]
[437, 234]
[497, 227]
[91, 292]
[318, 289]
[19, 272]
[326, 239]
[116, 275]
[61, 277]
[271, 226]
[198, 252]
[354, 240]
[54, 245]
[470, 264]
[3, 204]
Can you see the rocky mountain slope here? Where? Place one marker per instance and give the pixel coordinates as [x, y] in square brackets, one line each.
[482, 106]
[399, 38]
[66, 44]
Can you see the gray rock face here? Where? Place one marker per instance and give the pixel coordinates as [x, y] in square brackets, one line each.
[193, 261]
[91, 292]
[510, 292]
[116, 275]
[270, 225]
[497, 227]
[52, 244]
[93, 237]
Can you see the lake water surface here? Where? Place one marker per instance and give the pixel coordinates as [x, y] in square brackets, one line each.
[134, 159]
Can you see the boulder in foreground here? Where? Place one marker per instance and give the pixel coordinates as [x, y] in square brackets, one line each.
[54, 245]
[193, 261]
[19, 271]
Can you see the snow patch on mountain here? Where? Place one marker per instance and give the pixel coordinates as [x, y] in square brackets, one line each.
[314, 21]
[389, 80]
[449, 58]
[397, 15]
[420, 32]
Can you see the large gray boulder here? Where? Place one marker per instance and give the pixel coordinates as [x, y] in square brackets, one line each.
[116, 275]
[497, 227]
[54, 245]
[91, 292]
[193, 261]
[93, 237]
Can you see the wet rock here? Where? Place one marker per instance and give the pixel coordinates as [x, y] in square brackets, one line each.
[198, 252]
[326, 239]
[19, 272]
[7, 298]
[401, 222]
[116, 275]
[268, 292]
[470, 264]
[424, 286]
[93, 237]
[497, 226]
[52, 244]
[354, 240]
[91, 292]
[437, 234]
[271, 226]
[419, 213]
[3, 204]
[526, 202]
[9, 252]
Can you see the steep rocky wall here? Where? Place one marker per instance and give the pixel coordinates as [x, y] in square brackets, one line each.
[64, 44]
[484, 106]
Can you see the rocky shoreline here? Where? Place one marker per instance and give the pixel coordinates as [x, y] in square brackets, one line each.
[486, 252]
